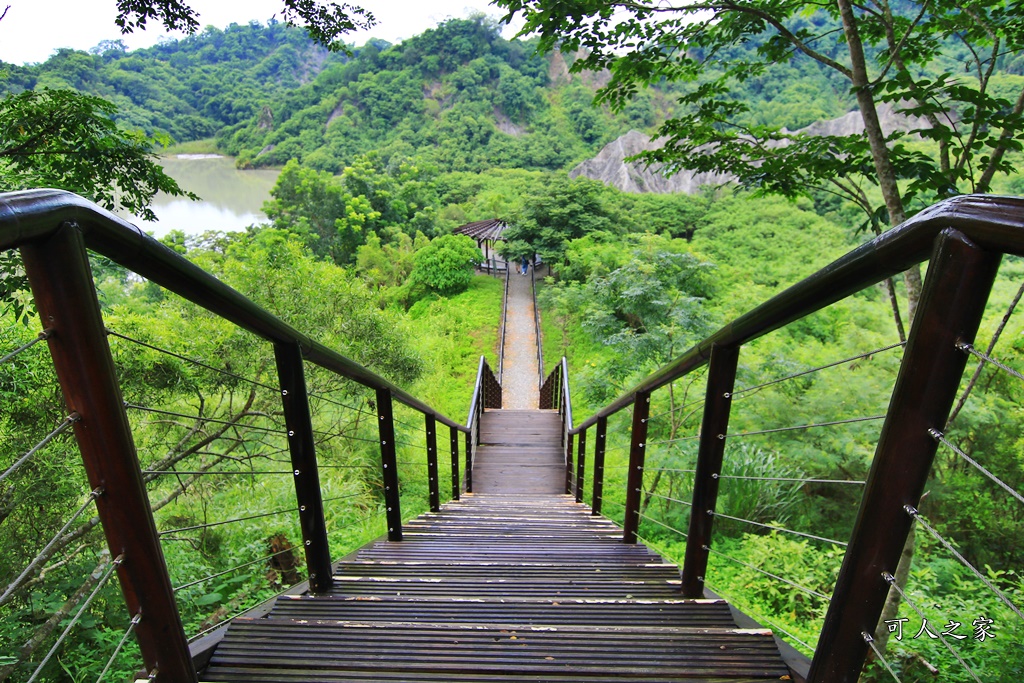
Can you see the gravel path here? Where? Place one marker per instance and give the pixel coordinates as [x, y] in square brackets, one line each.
[519, 390]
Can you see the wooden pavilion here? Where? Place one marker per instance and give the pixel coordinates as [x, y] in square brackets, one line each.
[487, 234]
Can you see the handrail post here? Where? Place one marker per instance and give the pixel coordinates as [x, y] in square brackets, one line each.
[581, 458]
[453, 444]
[959, 279]
[389, 462]
[301, 446]
[62, 284]
[599, 444]
[635, 477]
[432, 483]
[469, 462]
[713, 428]
[568, 462]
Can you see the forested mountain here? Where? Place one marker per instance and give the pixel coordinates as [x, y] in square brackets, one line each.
[189, 88]
[459, 97]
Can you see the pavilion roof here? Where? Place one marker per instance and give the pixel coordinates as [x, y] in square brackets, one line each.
[490, 229]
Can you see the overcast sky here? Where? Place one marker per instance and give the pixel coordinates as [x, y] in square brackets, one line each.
[33, 29]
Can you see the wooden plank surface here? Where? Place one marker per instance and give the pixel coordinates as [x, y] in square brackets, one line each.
[516, 584]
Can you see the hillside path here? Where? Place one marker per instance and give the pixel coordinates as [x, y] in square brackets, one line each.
[519, 382]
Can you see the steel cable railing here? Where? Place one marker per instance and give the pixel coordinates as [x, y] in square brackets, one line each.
[902, 462]
[870, 640]
[891, 580]
[41, 337]
[78, 616]
[235, 425]
[60, 429]
[46, 553]
[867, 354]
[963, 560]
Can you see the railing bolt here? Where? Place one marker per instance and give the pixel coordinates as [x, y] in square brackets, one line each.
[296, 473]
[309, 542]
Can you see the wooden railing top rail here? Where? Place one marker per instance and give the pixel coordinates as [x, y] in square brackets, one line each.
[566, 395]
[33, 215]
[993, 222]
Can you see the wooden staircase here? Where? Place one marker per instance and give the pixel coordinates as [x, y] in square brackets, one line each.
[515, 582]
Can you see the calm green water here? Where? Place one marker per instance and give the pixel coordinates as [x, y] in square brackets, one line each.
[231, 199]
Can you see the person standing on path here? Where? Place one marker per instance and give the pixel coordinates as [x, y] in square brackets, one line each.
[523, 265]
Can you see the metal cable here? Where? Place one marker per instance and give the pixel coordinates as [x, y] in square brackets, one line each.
[193, 361]
[85, 605]
[745, 390]
[682, 438]
[651, 519]
[158, 411]
[937, 435]
[42, 336]
[323, 397]
[117, 650]
[245, 519]
[379, 513]
[891, 580]
[674, 500]
[346, 467]
[208, 472]
[96, 493]
[878, 655]
[666, 469]
[806, 426]
[964, 346]
[813, 481]
[935, 534]
[676, 410]
[226, 521]
[229, 571]
[68, 421]
[341, 435]
[778, 528]
[805, 589]
[760, 617]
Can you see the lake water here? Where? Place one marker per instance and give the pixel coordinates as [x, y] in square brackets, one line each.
[231, 199]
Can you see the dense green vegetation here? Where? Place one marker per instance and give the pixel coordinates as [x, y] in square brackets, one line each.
[384, 152]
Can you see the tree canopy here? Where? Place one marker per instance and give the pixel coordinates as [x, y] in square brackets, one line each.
[884, 52]
[324, 21]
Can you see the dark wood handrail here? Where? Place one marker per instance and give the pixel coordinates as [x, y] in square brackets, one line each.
[536, 325]
[567, 396]
[994, 223]
[33, 215]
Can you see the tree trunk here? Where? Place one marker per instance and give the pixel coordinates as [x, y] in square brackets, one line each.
[894, 301]
[876, 140]
[892, 600]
